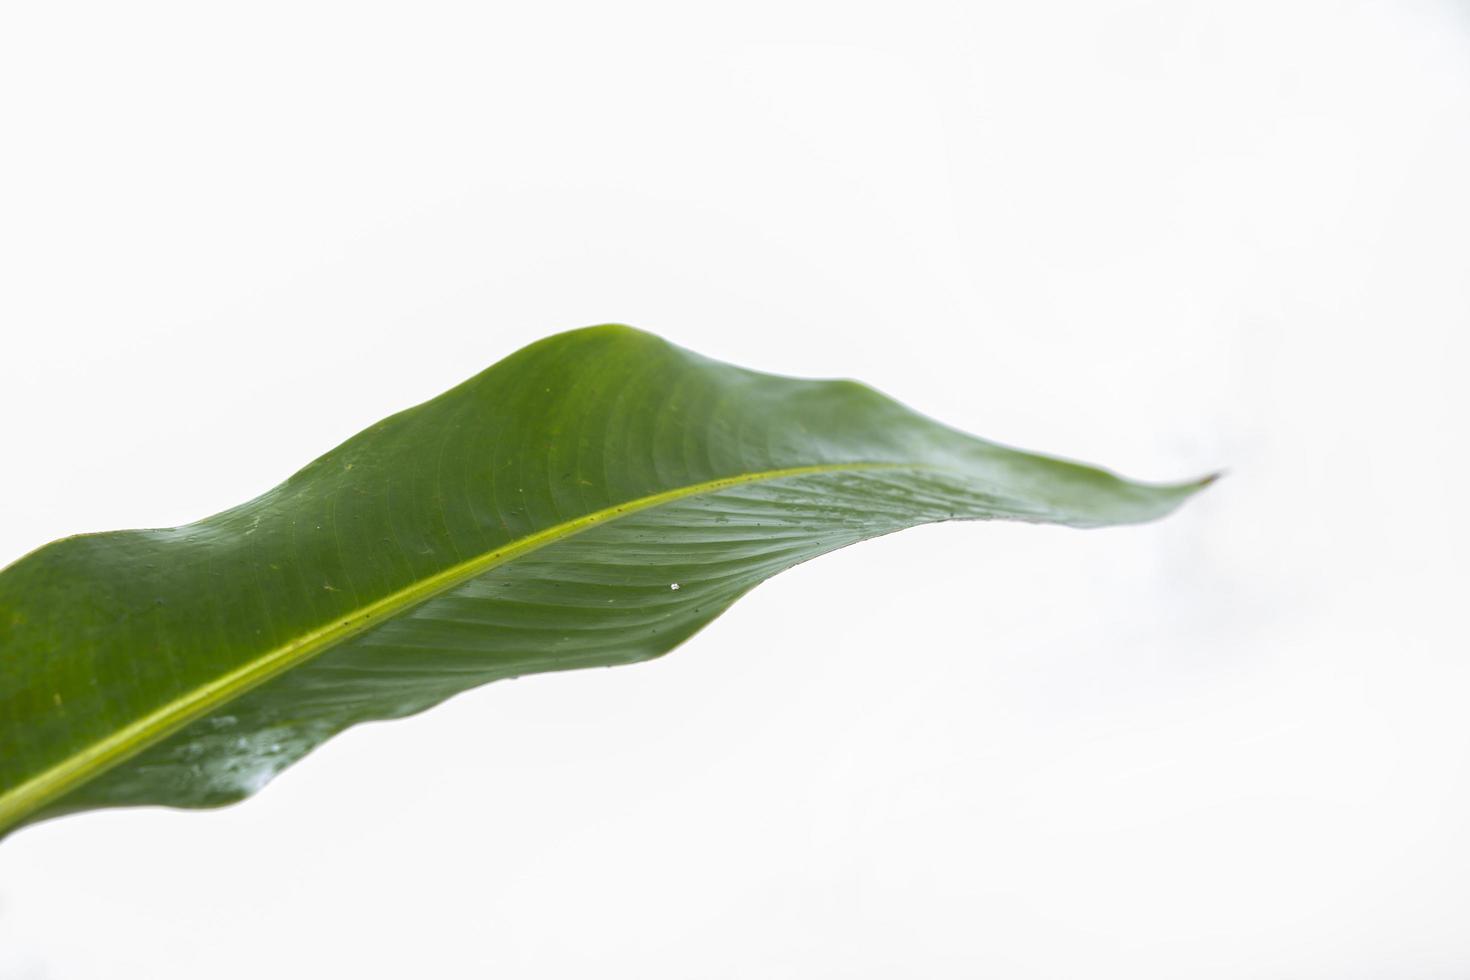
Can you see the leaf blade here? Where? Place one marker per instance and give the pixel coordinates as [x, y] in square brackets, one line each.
[638, 442]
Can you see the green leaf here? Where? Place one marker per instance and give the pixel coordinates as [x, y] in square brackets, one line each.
[594, 499]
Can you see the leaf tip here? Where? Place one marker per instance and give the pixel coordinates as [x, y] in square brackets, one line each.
[1195, 486]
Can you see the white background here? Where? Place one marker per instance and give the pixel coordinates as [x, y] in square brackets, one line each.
[1166, 237]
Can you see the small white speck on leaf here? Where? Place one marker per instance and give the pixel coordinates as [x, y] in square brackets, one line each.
[674, 586]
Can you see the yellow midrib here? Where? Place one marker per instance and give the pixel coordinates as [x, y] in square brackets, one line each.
[158, 724]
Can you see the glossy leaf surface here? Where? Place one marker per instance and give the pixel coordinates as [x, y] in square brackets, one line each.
[594, 499]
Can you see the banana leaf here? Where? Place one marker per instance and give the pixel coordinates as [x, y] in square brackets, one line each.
[594, 499]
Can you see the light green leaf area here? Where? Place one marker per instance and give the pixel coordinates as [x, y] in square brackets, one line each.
[593, 499]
